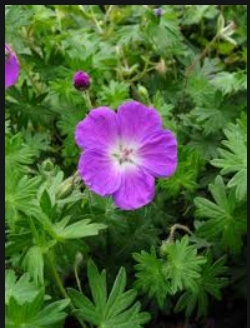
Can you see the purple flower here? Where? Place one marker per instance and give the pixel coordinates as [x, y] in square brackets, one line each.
[11, 67]
[81, 80]
[158, 12]
[124, 152]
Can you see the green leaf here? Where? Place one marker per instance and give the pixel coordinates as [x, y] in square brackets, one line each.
[51, 314]
[45, 202]
[20, 195]
[226, 222]
[35, 314]
[214, 114]
[150, 278]
[185, 177]
[183, 265]
[115, 311]
[209, 283]
[193, 14]
[97, 283]
[34, 264]
[17, 154]
[230, 82]
[114, 94]
[234, 159]
[22, 290]
[78, 229]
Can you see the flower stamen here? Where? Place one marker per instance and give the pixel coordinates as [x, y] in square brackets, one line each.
[124, 154]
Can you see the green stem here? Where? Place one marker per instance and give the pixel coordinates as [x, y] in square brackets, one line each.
[90, 16]
[88, 100]
[60, 285]
[33, 230]
[78, 282]
[95, 20]
[58, 278]
[108, 12]
[140, 76]
[30, 77]
[198, 58]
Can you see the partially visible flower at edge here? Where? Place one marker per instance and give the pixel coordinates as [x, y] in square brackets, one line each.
[158, 11]
[81, 80]
[124, 152]
[11, 67]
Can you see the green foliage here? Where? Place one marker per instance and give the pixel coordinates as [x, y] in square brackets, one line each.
[22, 290]
[186, 174]
[193, 14]
[17, 154]
[234, 158]
[150, 278]
[114, 94]
[25, 305]
[16, 201]
[210, 282]
[76, 230]
[34, 264]
[116, 309]
[181, 269]
[183, 265]
[230, 82]
[226, 218]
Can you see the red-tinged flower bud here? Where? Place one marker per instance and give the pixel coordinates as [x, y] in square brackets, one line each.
[81, 80]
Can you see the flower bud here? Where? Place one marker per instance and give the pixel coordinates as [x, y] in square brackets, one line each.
[47, 165]
[158, 12]
[161, 67]
[143, 91]
[81, 81]
[78, 259]
[66, 188]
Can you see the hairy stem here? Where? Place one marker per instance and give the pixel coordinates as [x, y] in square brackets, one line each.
[198, 58]
[176, 227]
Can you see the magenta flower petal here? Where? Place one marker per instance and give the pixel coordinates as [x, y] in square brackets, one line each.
[98, 130]
[136, 121]
[11, 67]
[99, 173]
[158, 154]
[136, 189]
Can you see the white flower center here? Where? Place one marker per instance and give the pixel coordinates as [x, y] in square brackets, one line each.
[124, 154]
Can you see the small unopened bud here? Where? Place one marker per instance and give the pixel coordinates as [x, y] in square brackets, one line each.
[229, 29]
[47, 165]
[81, 80]
[161, 67]
[220, 23]
[65, 188]
[143, 91]
[158, 12]
[78, 259]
